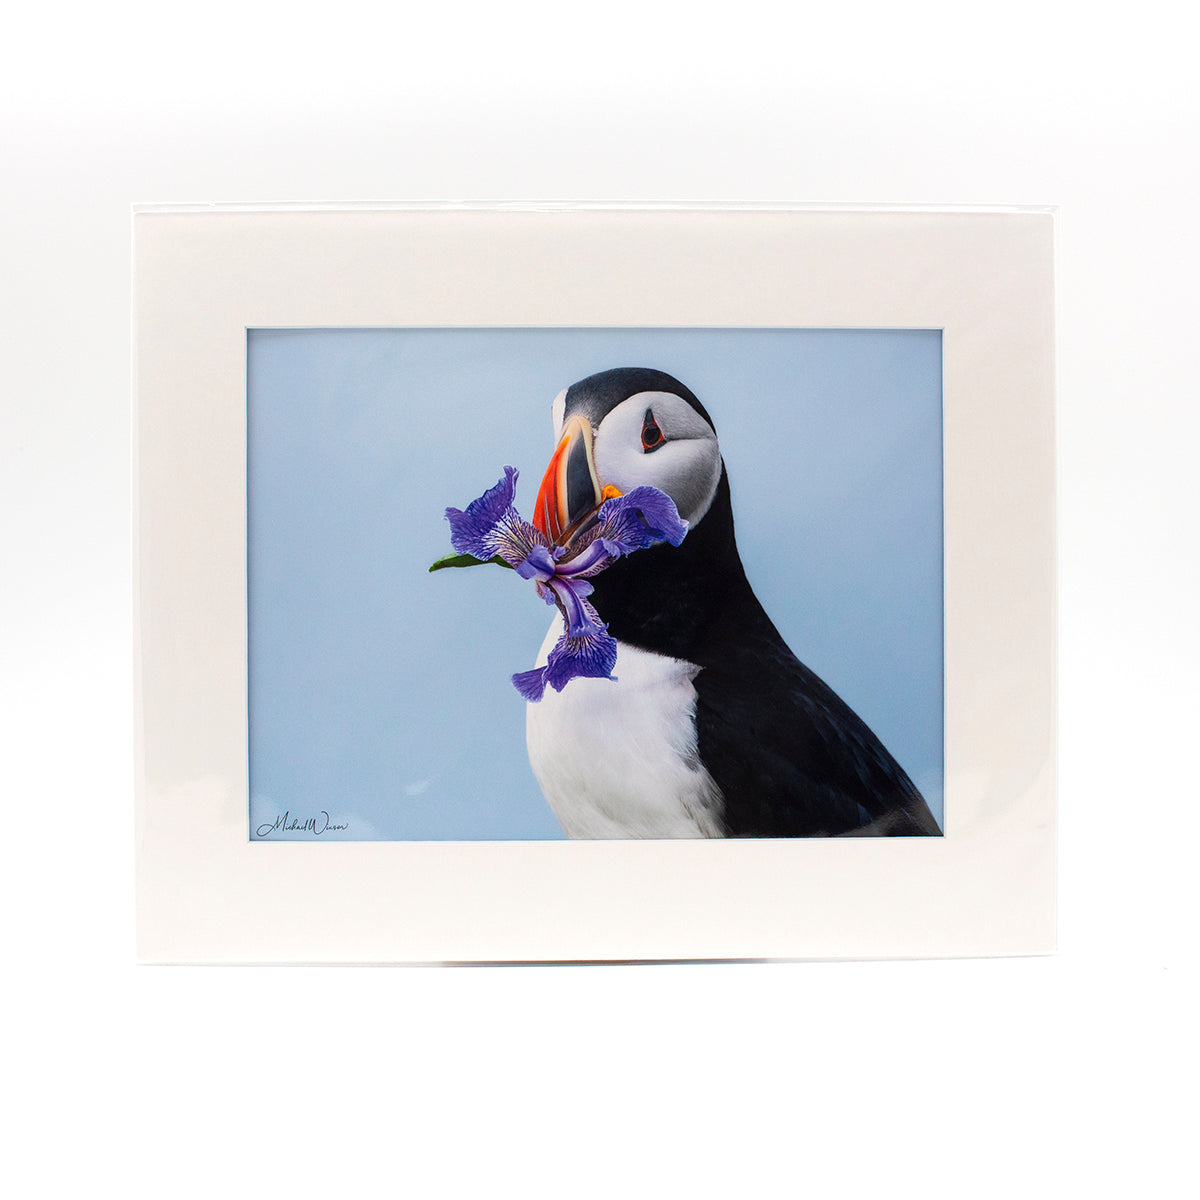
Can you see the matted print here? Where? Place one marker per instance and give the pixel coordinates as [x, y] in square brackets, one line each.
[568, 582]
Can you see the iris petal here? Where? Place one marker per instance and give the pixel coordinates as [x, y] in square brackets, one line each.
[589, 654]
[491, 525]
[640, 518]
[531, 684]
[589, 657]
[580, 617]
[593, 558]
[538, 564]
[516, 539]
[473, 532]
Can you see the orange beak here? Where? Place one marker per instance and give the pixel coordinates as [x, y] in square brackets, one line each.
[571, 490]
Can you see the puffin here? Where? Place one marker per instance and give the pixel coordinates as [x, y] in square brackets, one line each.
[712, 728]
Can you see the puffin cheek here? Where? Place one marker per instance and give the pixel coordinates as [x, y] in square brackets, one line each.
[694, 482]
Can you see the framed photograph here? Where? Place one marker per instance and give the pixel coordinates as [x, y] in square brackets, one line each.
[535, 583]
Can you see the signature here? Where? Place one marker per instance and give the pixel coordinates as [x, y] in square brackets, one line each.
[322, 823]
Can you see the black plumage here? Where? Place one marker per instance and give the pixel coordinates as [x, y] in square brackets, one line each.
[790, 757]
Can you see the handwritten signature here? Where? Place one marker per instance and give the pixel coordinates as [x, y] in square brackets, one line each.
[322, 823]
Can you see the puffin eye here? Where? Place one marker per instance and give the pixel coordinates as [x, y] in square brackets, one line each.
[652, 436]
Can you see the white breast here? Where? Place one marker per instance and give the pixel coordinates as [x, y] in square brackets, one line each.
[618, 760]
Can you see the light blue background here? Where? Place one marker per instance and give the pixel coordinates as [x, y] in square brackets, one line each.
[380, 693]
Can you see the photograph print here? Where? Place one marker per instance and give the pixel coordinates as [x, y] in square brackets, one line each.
[534, 584]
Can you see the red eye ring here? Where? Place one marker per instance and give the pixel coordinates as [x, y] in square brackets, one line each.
[652, 436]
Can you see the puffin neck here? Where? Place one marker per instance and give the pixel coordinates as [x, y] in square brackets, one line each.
[665, 599]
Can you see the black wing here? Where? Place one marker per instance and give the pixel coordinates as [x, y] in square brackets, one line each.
[791, 758]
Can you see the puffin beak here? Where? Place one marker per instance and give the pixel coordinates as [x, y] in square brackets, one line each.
[570, 491]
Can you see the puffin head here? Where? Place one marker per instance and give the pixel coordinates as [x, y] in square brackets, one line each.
[621, 429]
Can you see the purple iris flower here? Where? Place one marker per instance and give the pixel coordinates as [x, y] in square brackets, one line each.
[491, 527]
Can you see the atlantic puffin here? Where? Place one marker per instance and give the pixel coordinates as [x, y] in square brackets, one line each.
[713, 727]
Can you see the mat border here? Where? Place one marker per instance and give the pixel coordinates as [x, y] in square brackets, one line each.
[203, 275]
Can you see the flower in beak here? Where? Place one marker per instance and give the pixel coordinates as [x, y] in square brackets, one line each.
[560, 558]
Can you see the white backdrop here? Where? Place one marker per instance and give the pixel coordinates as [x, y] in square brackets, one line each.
[955, 1078]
